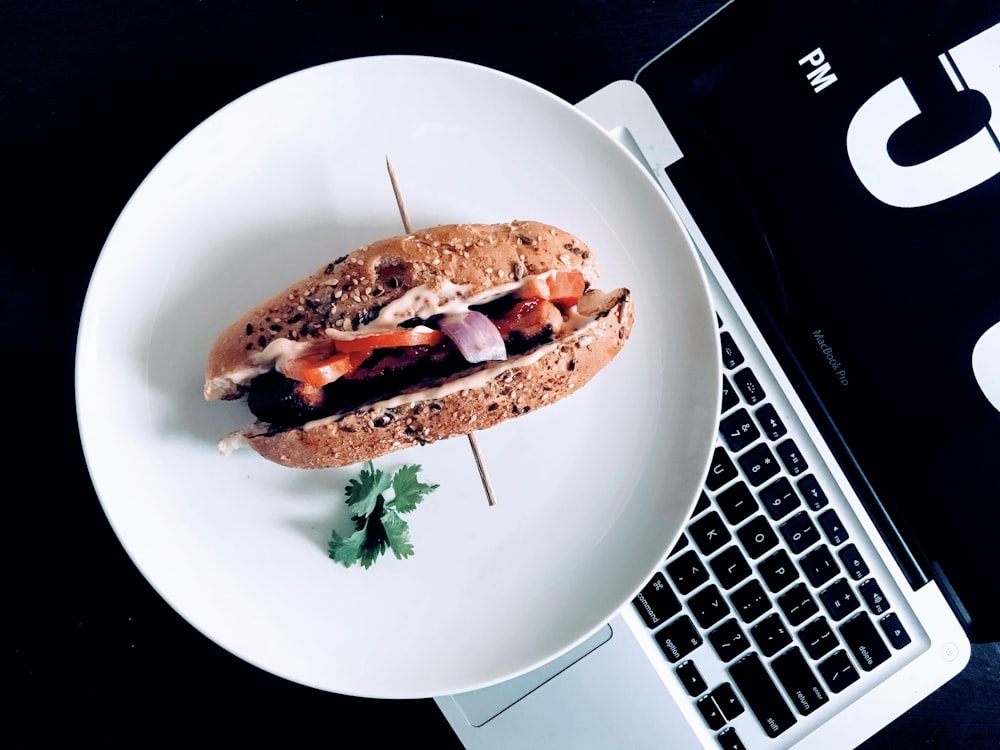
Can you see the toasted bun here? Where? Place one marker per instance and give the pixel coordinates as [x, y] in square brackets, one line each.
[480, 256]
[344, 294]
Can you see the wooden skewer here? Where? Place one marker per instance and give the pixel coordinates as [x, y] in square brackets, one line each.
[473, 442]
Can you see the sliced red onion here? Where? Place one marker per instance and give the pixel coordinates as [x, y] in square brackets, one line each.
[474, 334]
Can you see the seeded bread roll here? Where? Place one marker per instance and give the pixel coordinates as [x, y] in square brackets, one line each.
[355, 293]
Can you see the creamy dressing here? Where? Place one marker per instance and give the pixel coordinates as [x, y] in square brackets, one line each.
[577, 325]
[420, 302]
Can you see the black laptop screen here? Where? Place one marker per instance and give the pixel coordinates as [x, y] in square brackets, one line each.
[844, 160]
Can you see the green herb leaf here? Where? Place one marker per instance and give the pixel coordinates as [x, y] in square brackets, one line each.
[377, 522]
[374, 543]
[345, 550]
[397, 533]
[408, 492]
[363, 492]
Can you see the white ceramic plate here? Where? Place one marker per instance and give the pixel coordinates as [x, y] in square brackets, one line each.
[591, 491]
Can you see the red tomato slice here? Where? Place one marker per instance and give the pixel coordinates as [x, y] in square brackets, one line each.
[566, 287]
[387, 339]
[563, 288]
[321, 369]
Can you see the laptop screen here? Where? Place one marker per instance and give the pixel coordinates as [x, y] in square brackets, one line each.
[844, 161]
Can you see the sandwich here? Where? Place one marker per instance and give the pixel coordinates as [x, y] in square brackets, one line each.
[417, 338]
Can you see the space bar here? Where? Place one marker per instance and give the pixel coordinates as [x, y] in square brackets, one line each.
[762, 695]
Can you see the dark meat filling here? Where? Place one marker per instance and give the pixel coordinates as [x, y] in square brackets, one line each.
[284, 402]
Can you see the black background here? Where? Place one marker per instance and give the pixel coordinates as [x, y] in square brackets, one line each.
[92, 95]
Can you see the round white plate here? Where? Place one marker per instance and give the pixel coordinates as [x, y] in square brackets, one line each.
[592, 491]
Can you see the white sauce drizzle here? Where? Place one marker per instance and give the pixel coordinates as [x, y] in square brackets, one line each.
[419, 302]
[576, 325]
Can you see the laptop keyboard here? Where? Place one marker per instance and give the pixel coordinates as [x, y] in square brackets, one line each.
[766, 607]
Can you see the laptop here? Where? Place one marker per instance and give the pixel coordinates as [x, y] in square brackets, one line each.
[837, 167]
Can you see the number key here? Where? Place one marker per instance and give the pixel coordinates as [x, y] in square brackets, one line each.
[759, 464]
[779, 499]
[738, 430]
[799, 532]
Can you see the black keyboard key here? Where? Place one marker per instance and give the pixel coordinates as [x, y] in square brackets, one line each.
[721, 471]
[770, 635]
[812, 492]
[749, 386]
[701, 505]
[799, 682]
[777, 571]
[738, 430]
[656, 603]
[757, 536]
[750, 601]
[864, 642]
[731, 355]
[730, 566]
[729, 395]
[687, 572]
[762, 695]
[691, 678]
[833, 527]
[677, 639]
[800, 532]
[729, 740]
[759, 464]
[871, 592]
[838, 672]
[819, 566]
[726, 699]
[792, 457]
[894, 630]
[736, 503]
[770, 422]
[797, 604]
[708, 606]
[728, 640]
[818, 638]
[839, 600]
[854, 563]
[711, 712]
[810, 489]
[709, 533]
[779, 499]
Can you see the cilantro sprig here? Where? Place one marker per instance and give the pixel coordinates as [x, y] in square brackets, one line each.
[378, 520]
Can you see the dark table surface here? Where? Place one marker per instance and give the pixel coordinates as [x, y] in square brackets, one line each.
[92, 94]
